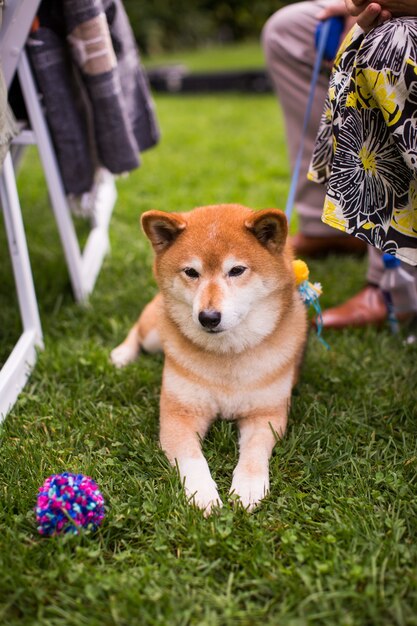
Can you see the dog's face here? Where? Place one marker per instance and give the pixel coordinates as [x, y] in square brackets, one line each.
[224, 272]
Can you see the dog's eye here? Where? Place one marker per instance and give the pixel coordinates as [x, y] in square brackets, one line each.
[237, 270]
[191, 272]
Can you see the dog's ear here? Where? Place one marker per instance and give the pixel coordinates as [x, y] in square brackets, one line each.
[162, 228]
[270, 227]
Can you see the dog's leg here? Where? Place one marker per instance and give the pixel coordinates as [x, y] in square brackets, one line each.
[181, 432]
[143, 335]
[256, 441]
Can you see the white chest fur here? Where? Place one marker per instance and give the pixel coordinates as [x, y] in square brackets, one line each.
[230, 386]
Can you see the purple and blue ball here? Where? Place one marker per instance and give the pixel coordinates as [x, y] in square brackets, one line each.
[67, 503]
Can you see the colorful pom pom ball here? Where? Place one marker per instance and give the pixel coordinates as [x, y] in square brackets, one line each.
[67, 503]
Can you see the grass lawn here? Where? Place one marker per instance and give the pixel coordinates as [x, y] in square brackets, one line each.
[335, 541]
[246, 55]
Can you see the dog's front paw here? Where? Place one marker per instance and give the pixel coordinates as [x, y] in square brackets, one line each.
[250, 489]
[205, 498]
[123, 355]
[200, 488]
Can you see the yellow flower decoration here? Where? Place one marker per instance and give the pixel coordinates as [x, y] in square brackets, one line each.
[301, 271]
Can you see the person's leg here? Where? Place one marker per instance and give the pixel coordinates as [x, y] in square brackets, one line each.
[367, 307]
[288, 42]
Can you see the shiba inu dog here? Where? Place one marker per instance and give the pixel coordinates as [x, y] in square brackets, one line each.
[233, 327]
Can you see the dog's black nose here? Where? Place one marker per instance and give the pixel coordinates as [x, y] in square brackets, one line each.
[209, 319]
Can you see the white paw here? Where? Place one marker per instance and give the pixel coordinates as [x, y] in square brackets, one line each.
[200, 488]
[123, 355]
[205, 497]
[250, 489]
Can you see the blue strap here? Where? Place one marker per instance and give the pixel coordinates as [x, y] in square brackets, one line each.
[322, 40]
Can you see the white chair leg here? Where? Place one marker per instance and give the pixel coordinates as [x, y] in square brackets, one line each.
[83, 268]
[14, 373]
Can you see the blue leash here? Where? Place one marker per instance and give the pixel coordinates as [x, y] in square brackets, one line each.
[327, 42]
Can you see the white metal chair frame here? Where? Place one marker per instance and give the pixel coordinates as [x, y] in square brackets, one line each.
[83, 267]
[15, 371]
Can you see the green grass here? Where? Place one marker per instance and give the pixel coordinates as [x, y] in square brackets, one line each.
[244, 55]
[335, 541]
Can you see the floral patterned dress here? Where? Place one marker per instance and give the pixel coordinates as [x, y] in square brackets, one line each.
[366, 148]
